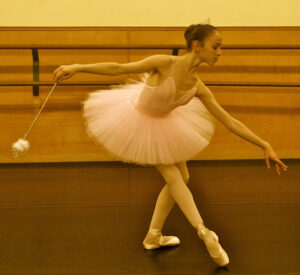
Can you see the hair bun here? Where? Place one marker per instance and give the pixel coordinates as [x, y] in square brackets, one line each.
[198, 32]
[188, 32]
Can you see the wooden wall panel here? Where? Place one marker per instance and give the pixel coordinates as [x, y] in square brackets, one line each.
[63, 36]
[59, 134]
[15, 65]
[260, 35]
[52, 59]
[154, 36]
[254, 66]
[272, 113]
[143, 35]
[231, 35]
[235, 66]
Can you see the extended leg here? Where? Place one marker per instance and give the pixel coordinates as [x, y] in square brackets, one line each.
[180, 193]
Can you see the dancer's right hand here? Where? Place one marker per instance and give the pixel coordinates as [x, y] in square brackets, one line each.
[271, 155]
[64, 72]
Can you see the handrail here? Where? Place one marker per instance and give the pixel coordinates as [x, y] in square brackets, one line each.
[108, 83]
[35, 55]
[174, 47]
[149, 46]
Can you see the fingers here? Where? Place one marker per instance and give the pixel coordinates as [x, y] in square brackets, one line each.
[55, 72]
[62, 72]
[59, 74]
[278, 164]
[283, 166]
[55, 75]
[268, 162]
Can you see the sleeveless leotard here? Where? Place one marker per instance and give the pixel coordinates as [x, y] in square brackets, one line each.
[137, 123]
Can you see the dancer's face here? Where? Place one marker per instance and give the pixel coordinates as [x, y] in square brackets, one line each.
[211, 50]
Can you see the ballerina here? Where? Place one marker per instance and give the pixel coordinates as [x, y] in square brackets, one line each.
[164, 121]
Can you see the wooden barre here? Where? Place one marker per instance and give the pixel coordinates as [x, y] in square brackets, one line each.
[174, 47]
[108, 83]
[136, 47]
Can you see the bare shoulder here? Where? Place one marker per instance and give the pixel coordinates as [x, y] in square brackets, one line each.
[161, 63]
[162, 60]
[150, 63]
[159, 59]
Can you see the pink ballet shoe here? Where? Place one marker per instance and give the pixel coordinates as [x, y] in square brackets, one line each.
[211, 241]
[153, 241]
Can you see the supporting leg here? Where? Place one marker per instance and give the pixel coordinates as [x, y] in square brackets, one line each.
[163, 207]
[165, 202]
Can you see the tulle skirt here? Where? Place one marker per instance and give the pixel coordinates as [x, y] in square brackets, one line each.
[132, 136]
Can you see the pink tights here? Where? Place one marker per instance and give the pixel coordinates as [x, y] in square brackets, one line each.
[175, 190]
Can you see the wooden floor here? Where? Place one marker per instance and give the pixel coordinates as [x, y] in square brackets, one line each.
[260, 236]
[259, 239]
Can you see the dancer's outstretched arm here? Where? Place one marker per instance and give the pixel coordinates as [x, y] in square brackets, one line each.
[151, 63]
[237, 127]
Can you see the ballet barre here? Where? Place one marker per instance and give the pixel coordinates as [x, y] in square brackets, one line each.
[109, 83]
[174, 47]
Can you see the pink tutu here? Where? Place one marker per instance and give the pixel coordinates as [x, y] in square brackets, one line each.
[140, 124]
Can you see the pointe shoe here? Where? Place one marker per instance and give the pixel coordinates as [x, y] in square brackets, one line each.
[211, 241]
[158, 240]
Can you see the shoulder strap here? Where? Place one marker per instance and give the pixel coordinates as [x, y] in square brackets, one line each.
[172, 69]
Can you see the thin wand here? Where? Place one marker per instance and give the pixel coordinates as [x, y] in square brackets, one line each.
[40, 111]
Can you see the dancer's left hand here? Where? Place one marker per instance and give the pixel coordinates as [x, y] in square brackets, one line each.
[64, 72]
[270, 154]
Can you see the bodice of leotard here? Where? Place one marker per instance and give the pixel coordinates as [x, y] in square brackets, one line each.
[166, 128]
[160, 100]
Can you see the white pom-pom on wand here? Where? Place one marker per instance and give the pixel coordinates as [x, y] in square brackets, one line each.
[22, 145]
